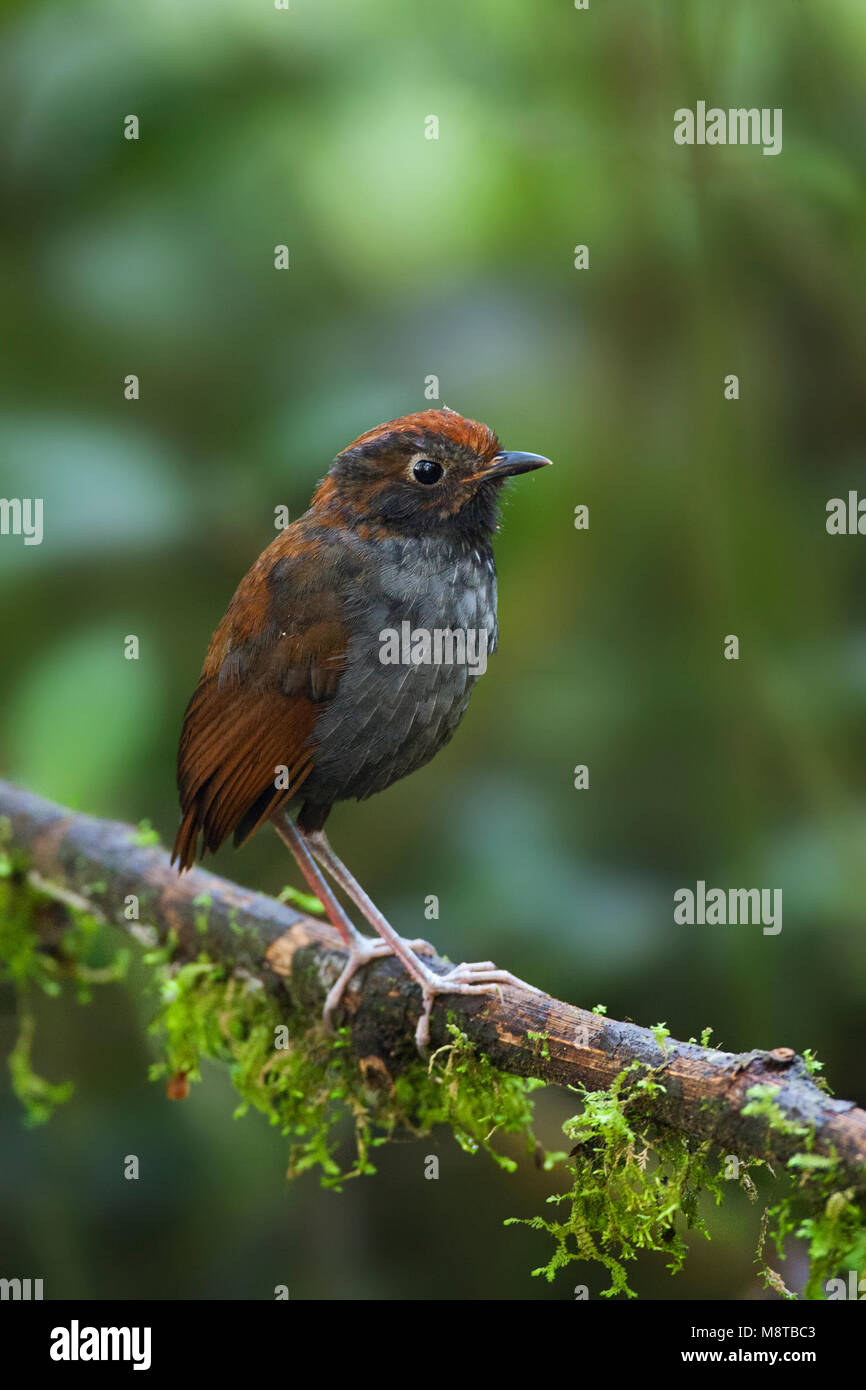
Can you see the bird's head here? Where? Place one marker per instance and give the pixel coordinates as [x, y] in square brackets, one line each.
[430, 472]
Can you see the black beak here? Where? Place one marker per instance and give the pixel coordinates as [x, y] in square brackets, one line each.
[509, 465]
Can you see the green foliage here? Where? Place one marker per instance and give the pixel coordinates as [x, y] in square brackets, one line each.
[28, 966]
[144, 836]
[38, 1096]
[821, 1212]
[761, 1101]
[306, 1081]
[304, 902]
[202, 901]
[637, 1183]
[631, 1182]
[461, 1088]
[814, 1068]
[542, 1042]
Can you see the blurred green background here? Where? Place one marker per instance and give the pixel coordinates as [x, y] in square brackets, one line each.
[412, 257]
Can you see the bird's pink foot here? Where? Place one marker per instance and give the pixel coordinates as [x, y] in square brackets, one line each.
[362, 950]
[475, 977]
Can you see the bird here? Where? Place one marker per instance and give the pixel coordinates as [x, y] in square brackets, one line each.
[336, 668]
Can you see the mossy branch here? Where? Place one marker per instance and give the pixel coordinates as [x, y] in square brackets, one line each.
[762, 1103]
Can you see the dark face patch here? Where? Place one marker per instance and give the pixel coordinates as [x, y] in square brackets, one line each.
[375, 478]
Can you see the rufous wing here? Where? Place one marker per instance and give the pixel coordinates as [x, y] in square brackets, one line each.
[273, 663]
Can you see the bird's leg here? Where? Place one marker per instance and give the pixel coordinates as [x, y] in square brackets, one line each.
[479, 977]
[361, 948]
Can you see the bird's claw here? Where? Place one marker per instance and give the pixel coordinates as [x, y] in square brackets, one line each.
[422, 947]
[472, 977]
[362, 951]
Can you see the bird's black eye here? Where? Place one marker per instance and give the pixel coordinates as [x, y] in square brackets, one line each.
[427, 471]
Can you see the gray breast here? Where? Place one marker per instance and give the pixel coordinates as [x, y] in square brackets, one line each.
[421, 634]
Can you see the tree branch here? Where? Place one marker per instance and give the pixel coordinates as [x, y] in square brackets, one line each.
[101, 864]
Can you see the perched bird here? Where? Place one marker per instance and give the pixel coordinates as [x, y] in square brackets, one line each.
[326, 679]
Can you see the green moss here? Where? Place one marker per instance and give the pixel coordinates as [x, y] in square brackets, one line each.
[637, 1187]
[542, 1044]
[761, 1102]
[819, 1210]
[28, 966]
[632, 1184]
[38, 1096]
[145, 835]
[203, 902]
[306, 1081]
[814, 1068]
[304, 902]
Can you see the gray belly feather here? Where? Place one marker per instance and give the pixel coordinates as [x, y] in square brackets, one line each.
[386, 720]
